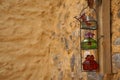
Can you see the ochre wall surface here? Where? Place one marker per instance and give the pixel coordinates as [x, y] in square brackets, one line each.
[38, 38]
[115, 23]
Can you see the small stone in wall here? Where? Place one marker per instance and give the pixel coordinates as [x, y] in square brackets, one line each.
[94, 76]
[71, 37]
[117, 41]
[116, 60]
[118, 14]
[66, 44]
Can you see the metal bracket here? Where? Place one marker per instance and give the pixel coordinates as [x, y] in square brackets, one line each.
[99, 2]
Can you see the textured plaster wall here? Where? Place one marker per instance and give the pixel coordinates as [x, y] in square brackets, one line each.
[115, 13]
[38, 39]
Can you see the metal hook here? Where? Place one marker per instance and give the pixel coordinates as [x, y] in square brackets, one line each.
[99, 2]
[101, 36]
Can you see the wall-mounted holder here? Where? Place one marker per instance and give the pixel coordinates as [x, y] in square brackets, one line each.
[89, 37]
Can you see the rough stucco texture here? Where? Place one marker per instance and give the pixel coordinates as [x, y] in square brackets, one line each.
[38, 38]
[115, 11]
